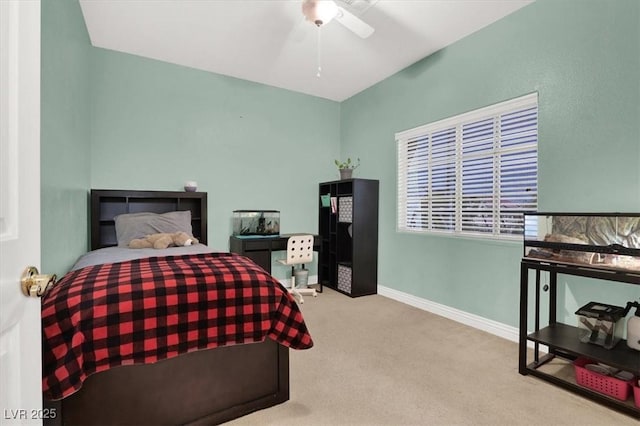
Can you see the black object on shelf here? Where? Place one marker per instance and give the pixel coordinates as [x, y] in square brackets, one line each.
[350, 231]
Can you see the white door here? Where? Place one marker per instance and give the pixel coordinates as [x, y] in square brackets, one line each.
[20, 352]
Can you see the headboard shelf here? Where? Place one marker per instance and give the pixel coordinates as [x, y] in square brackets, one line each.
[106, 204]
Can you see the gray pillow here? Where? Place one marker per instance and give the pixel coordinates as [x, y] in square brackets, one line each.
[138, 225]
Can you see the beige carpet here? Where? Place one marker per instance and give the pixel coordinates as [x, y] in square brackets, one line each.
[380, 362]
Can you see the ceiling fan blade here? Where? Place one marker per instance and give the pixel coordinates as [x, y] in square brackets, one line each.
[355, 24]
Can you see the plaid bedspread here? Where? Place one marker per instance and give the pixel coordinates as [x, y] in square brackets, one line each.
[145, 310]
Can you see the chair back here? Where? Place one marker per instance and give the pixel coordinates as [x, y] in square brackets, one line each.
[299, 249]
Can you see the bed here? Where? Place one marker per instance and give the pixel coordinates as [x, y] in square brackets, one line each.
[197, 381]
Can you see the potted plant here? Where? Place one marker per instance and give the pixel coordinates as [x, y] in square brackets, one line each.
[346, 167]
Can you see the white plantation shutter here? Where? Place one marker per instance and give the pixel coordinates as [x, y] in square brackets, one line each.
[472, 174]
[417, 181]
[477, 176]
[442, 169]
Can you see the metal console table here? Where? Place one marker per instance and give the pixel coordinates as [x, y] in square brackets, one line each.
[562, 340]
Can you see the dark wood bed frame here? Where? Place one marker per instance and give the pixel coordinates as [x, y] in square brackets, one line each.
[204, 387]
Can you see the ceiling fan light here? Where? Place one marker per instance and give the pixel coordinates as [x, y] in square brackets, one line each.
[320, 12]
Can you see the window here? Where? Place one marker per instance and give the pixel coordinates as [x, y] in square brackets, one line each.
[472, 174]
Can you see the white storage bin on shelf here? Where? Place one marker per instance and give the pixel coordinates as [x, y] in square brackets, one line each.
[345, 209]
[344, 278]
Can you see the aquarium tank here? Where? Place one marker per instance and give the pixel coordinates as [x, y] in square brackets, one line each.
[256, 222]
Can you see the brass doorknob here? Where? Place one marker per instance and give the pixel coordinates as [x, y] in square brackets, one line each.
[34, 284]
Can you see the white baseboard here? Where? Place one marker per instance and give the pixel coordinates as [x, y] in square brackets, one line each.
[475, 321]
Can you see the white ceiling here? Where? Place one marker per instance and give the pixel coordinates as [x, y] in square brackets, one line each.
[269, 42]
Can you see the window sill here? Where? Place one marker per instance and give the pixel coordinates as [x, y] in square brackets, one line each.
[484, 239]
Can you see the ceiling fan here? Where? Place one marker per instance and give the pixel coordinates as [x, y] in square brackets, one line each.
[321, 12]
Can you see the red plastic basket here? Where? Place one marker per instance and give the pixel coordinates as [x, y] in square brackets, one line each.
[636, 394]
[607, 385]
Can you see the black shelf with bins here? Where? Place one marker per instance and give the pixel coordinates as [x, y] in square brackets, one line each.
[349, 231]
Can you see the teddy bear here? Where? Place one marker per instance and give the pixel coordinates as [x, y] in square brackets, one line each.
[163, 240]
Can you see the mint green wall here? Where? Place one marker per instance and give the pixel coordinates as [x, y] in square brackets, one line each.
[64, 134]
[583, 59]
[152, 125]
[156, 125]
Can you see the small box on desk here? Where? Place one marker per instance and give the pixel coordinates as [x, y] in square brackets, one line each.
[600, 324]
[256, 222]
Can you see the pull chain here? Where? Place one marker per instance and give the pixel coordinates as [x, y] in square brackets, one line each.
[319, 59]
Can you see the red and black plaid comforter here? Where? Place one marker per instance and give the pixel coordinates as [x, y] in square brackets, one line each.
[145, 310]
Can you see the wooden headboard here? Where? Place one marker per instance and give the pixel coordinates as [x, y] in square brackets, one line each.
[108, 203]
